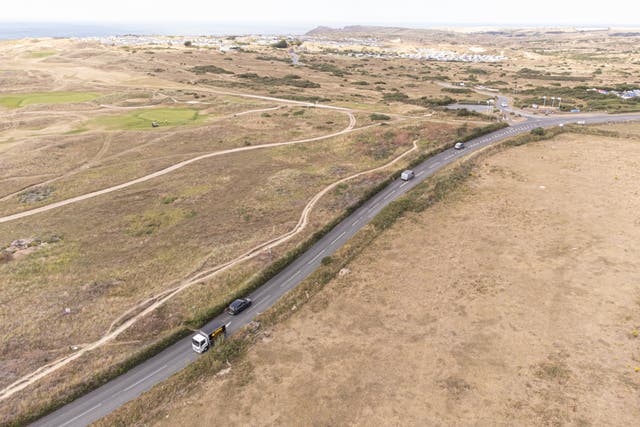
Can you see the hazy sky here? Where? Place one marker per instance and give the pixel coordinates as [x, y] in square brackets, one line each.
[516, 12]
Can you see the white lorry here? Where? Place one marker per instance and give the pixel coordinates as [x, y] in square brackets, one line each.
[203, 341]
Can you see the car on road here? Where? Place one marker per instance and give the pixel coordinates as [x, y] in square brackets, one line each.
[581, 122]
[459, 145]
[407, 175]
[238, 306]
[504, 104]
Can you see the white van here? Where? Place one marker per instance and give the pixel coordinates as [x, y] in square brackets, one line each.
[407, 175]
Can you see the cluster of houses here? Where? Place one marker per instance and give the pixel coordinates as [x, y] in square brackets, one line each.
[626, 94]
[430, 55]
[365, 47]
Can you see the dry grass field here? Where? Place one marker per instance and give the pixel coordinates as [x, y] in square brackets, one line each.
[79, 116]
[514, 302]
[68, 129]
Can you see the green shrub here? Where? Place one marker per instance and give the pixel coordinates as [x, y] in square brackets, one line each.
[326, 260]
[456, 90]
[203, 69]
[377, 116]
[282, 44]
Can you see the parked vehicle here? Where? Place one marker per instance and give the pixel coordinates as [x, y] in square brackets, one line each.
[459, 145]
[203, 341]
[238, 306]
[407, 175]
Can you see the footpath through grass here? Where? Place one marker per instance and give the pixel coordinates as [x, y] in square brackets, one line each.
[18, 100]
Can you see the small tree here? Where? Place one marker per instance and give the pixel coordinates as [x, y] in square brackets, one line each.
[282, 44]
[188, 43]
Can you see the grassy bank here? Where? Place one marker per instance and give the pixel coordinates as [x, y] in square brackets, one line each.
[23, 99]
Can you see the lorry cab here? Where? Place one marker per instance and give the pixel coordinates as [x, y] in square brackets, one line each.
[199, 343]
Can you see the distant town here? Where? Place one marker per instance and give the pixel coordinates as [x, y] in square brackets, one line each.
[356, 47]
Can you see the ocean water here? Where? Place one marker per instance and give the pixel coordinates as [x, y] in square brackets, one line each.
[18, 30]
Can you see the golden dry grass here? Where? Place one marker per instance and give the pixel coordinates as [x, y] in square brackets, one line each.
[514, 302]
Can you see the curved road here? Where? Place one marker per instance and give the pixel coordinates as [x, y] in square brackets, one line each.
[128, 386]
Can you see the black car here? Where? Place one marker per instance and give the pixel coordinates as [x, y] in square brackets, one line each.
[238, 306]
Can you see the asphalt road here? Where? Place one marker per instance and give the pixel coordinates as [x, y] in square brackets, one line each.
[128, 386]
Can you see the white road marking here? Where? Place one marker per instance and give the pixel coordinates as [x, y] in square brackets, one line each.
[419, 173]
[356, 222]
[316, 257]
[78, 416]
[375, 205]
[290, 279]
[406, 182]
[387, 196]
[145, 378]
[227, 325]
[336, 239]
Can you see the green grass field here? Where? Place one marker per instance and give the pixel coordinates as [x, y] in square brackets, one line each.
[23, 99]
[142, 119]
[42, 54]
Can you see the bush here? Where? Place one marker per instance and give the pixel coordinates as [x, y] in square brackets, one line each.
[537, 131]
[326, 260]
[282, 44]
[376, 116]
[395, 97]
[456, 90]
[203, 69]
[188, 43]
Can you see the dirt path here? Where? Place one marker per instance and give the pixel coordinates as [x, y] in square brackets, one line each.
[147, 306]
[349, 128]
[105, 148]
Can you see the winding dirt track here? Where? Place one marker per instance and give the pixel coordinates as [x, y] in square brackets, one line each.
[147, 306]
[349, 128]
[100, 155]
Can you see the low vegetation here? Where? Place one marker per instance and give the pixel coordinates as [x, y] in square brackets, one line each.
[22, 100]
[583, 99]
[143, 119]
[288, 80]
[212, 69]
